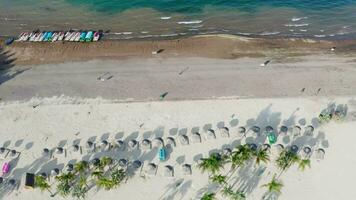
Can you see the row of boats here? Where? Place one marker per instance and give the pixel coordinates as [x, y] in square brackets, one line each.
[52, 36]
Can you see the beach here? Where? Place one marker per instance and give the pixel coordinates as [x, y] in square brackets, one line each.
[60, 94]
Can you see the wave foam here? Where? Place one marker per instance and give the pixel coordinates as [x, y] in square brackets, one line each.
[296, 25]
[295, 19]
[190, 22]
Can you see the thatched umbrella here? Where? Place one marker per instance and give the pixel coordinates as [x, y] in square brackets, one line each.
[123, 162]
[253, 146]
[13, 153]
[196, 138]
[151, 169]
[136, 164]
[279, 148]
[132, 144]
[69, 167]
[54, 172]
[184, 140]
[306, 151]
[90, 146]
[269, 129]
[294, 148]
[45, 152]
[256, 131]
[43, 174]
[170, 141]
[12, 182]
[186, 169]
[309, 130]
[168, 171]
[296, 131]
[158, 142]
[104, 145]
[2, 150]
[226, 151]
[59, 150]
[75, 147]
[283, 130]
[210, 134]
[146, 144]
[120, 145]
[320, 153]
[224, 132]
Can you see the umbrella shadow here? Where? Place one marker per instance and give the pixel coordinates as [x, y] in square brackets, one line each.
[7, 60]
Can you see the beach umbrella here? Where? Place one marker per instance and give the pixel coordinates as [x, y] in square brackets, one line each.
[296, 131]
[309, 130]
[196, 138]
[132, 144]
[75, 147]
[320, 153]
[227, 151]
[146, 144]
[45, 152]
[256, 131]
[158, 142]
[136, 164]
[54, 172]
[253, 146]
[242, 131]
[43, 174]
[266, 147]
[269, 129]
[59, 150]
[170, 141]
[283, 130]
[104, 145]
[187, 169]
[151, 169]
[184, 140]
[210, 134]
[120, 145]
[123, 162]
[2, 149]
[69, 167]
[95, 162]
[224, 132]
[13, 153]
[279, 148]
[12, 182]
[294, 148]
[168, 171]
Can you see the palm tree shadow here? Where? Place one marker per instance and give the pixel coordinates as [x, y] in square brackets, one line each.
[7, 60]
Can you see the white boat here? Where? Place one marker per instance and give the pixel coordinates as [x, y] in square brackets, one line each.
[43, 34]
[72, 38]
[33, 36]
[25, 37]
[67, 36]
[20, 36]
[60, 36]
[55, 36]
[77, 37]
[39, 35]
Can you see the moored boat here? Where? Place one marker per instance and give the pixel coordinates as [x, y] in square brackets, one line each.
[89, 36]
[72, 38]
[77, 37]
[96, 36]
[60, 36]
[82, 36]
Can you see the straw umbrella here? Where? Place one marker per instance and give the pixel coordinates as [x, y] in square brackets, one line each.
[309, 130]
[283, 130]
[242, 131]
[90, 146]
[226, 151]
[158, 142]
[120, 145]
[266, 147]
[13, 153]
[170, 141]
[136, 164]
[132, 144]
[75, 147]
[70, 167]
[168, 171]
[59, 150]
[306, 152]
[196, 138]
[186, 169]
[224, 132]
[123, 162]
[2, 150]
[279, 148]
[296, 131]
[269, 129]
[146, 144]
[45, 152]
[210, 134]
[151, 169]
[104, 145]
[184, 140]
[54, 172]
[253, 146]
[320, 153]
[294, 148]
[256, 131]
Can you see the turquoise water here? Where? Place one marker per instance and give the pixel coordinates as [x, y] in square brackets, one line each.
[127, 19]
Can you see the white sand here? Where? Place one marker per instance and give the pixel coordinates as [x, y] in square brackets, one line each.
[59, 119]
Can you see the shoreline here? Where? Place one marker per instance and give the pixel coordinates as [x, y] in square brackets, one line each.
[209, 46]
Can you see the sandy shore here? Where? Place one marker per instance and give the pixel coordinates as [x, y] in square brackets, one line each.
[60, 122]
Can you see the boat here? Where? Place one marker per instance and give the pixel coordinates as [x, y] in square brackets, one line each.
[44, 36]
[77, 37]
[55, 36]
[49, 36]
[89, 36]
[33, 36]
[26, 36]
[60, 36]
[40, 37]
[96, 36]
[82, 36]
[20, 36]
[67, 36]
[9, 41]
[72, 38]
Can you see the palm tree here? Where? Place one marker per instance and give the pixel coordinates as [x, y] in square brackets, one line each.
[97, 174]
[229, 192]
[63, 189]
[261, 155]
[79, 192]
[286, 159]
[220, 179]
[274, 186]
[105, 183]
[208, 196]
[83, 181]
[81, 167]
[240, 156]
[303, 163]
[65, 177]
[212, 164]
[42, 184]
[118, 175]
[105, 161]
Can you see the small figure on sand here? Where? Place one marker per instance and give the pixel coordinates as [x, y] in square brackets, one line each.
[303, 90]
[265, 63]
[333, 48]
[318, 91]
[162, 96]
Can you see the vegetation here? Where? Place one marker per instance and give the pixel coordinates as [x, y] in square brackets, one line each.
[274, 186]
[261, 155]
[286, 159]
[42, 183]
[105, 183]
[81, 167]
[212, 164]
[229, 193]
[241, 155]
[220, 179]
[63, 189]
[208, 196]
[118, 176]
[303, 163]
[79, 192]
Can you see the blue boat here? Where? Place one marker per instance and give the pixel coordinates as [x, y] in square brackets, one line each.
[9, 41]
[82, 36]
[44, 36]
[89, 36]
[162, 154]
[49, 36]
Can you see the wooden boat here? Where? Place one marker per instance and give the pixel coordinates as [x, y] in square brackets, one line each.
[96, 36]
[89, 36]
[82, 36]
